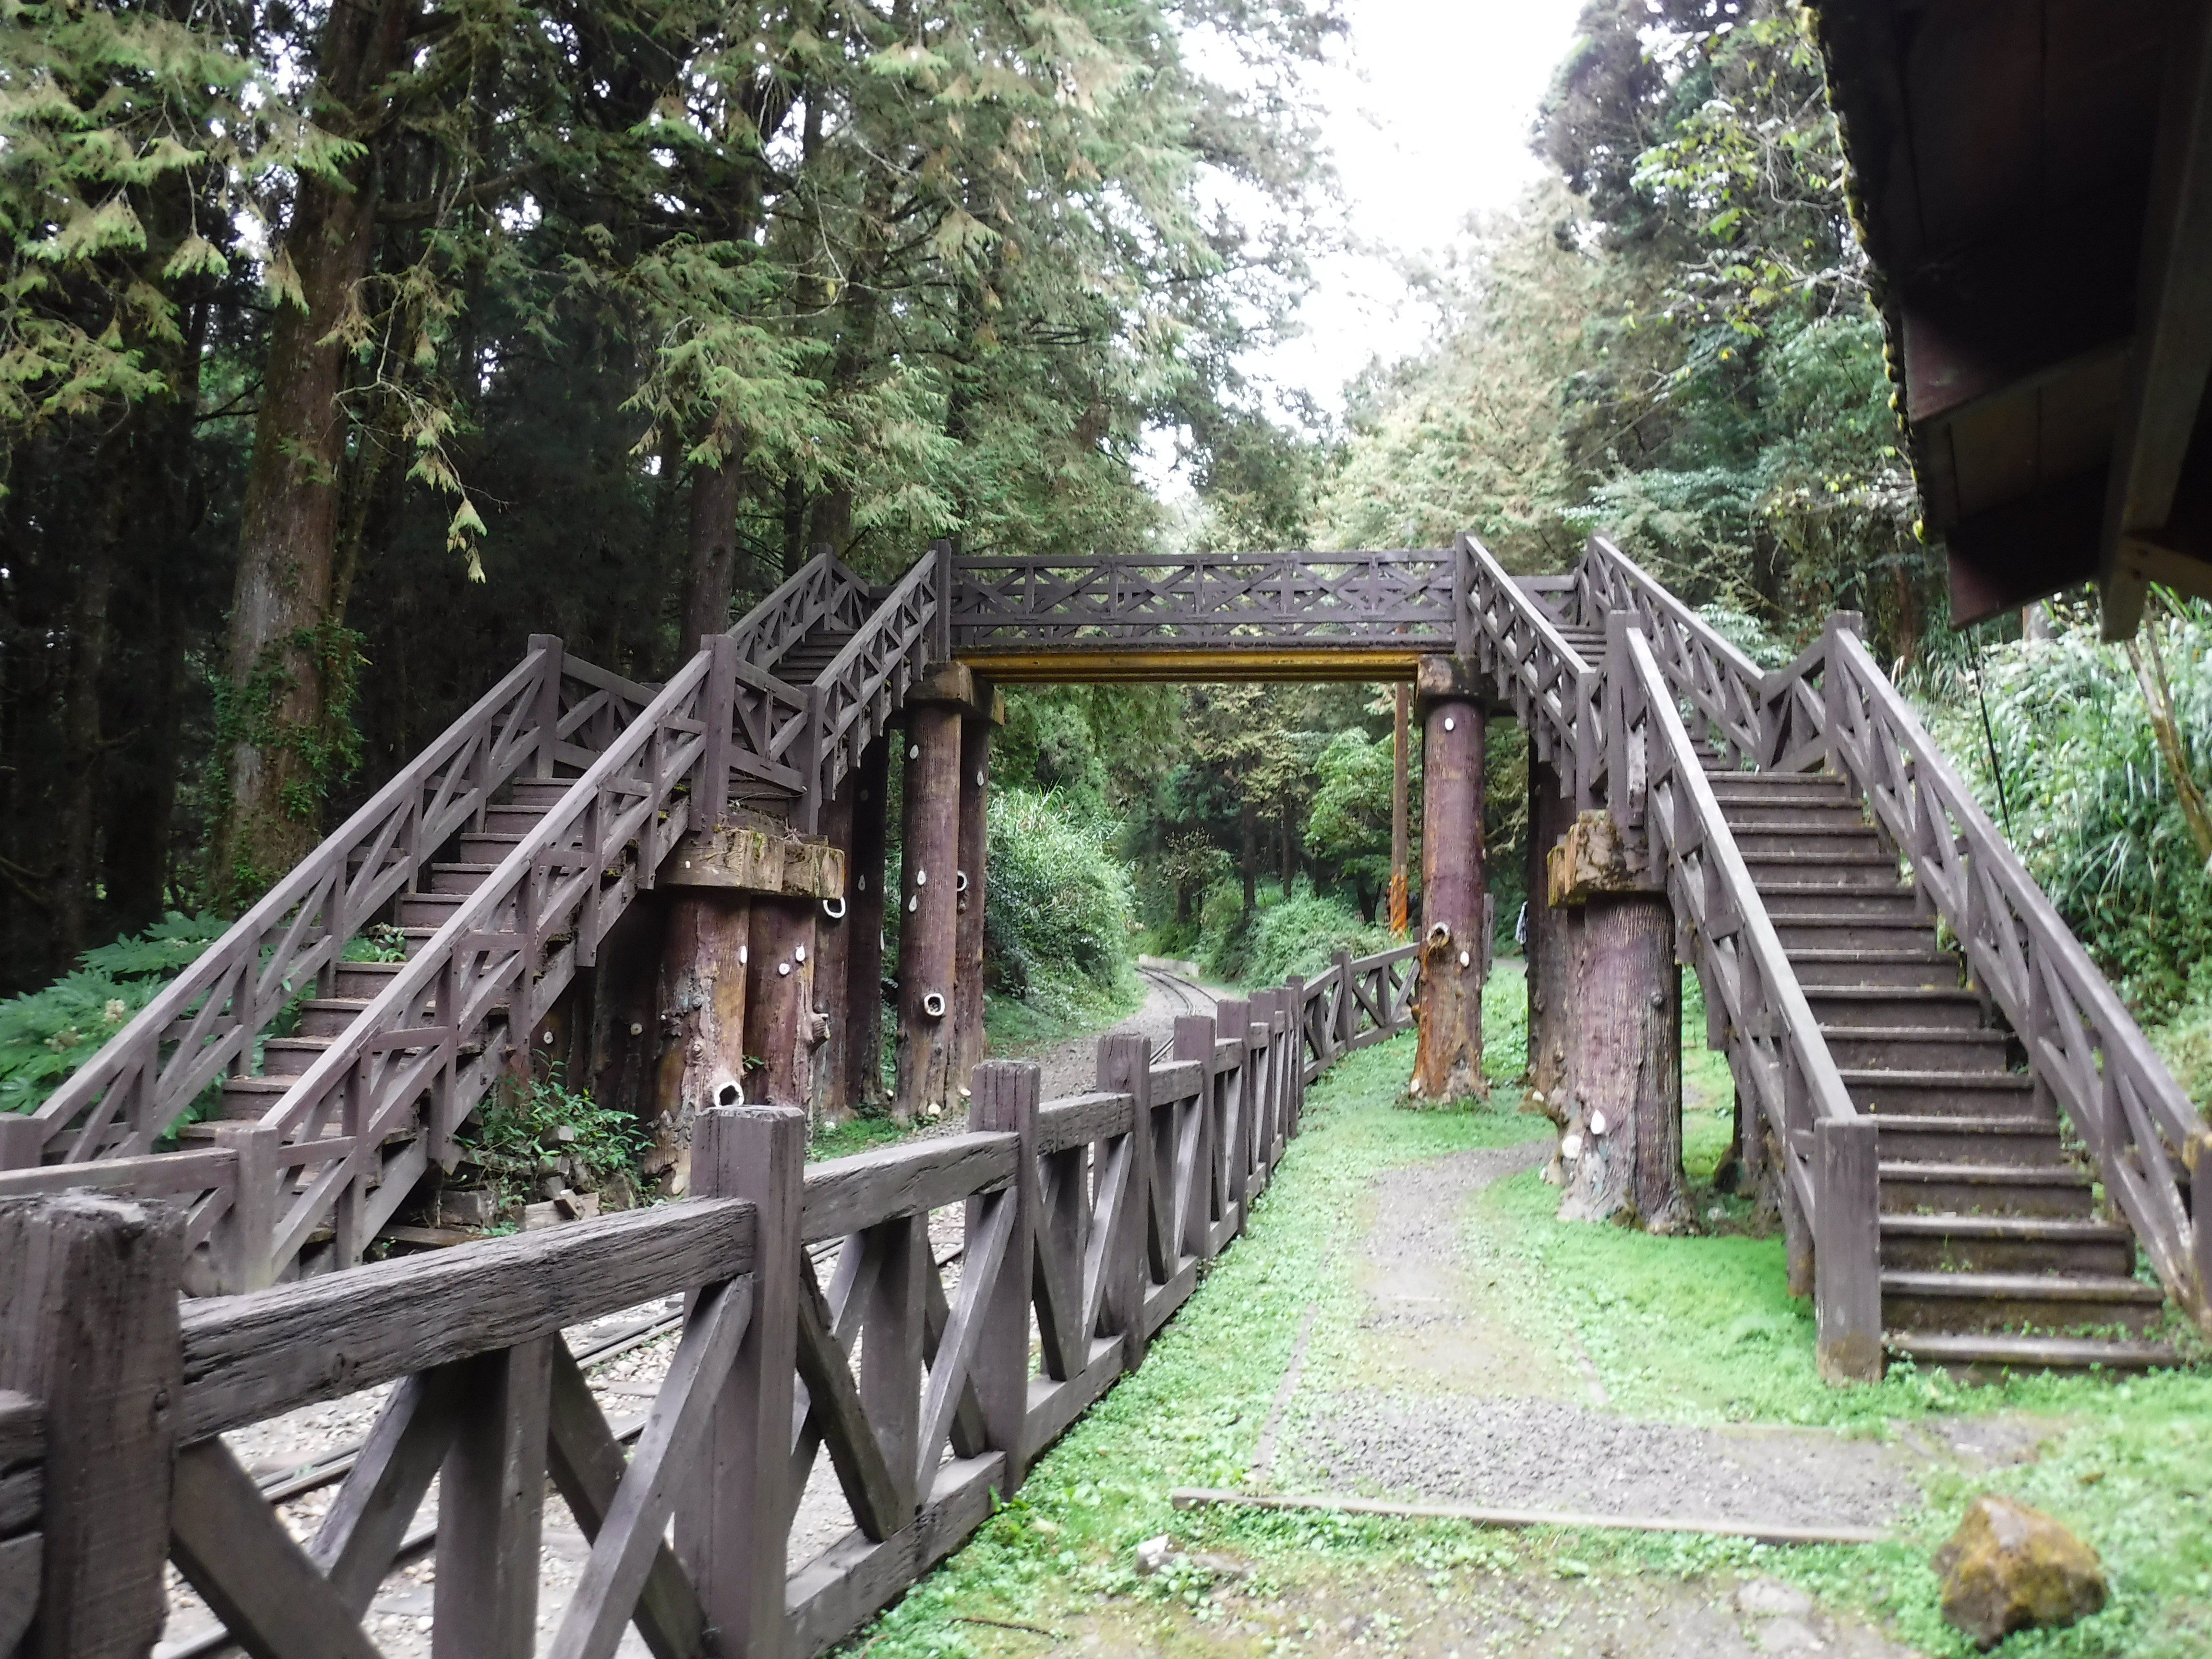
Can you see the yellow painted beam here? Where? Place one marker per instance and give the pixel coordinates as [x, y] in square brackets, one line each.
[1104, 665]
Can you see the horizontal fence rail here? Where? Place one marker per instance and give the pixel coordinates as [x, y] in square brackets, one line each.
[1085, 1223]
[1719, 682]
[1835, 708]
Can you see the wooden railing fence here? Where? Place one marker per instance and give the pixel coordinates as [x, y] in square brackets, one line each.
[1834, 708]
[202, 1025]
[1358, 1001]
[22, 1494]
[1241, 600]
[1087, 1222]
[1758, 1014]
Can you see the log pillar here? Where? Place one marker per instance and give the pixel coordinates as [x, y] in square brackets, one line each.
[860, 1045]
[1447, 998]
[974, 856]
[781, 1028]
[930, 1074]
[1551, 946]
[737, 975]
[703, 1022]
[832, 1101]
[1621, 1148]
[928, 916]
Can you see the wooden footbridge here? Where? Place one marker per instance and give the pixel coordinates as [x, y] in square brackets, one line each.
[1978, 1158]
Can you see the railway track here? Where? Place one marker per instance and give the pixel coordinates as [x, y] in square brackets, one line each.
[1188, 995]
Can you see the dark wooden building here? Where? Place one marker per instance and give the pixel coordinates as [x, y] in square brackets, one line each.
[2034, 181]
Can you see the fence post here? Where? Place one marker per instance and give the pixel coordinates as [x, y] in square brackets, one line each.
[1268, 1118]
[88, 1326]
[1294, 997]
[1847, 1258]
[731, 1527]
[1233, 1019]
[1124, 1064]
[1462, 596]
[1193, 1041]
[1004, 1098]
[245, 1238]
[1346, 1018]
[1832, 692]
[548, 713]
[941, 626]
[717, 700]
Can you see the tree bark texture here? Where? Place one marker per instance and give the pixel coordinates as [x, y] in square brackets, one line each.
[975, 857]
[833, 940]
[710, 575]
[929, 919]
[702, 1021]
[1401, 746]
[1552, 936]
[279, 721]
[863, 1041]
[1447, 998]
[1623, 1145]
[779, 1023]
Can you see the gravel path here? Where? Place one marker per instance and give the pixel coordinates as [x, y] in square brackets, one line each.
[1449, 1405]
[1071, 1067]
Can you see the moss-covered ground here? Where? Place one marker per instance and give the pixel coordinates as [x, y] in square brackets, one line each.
[1695, 1329]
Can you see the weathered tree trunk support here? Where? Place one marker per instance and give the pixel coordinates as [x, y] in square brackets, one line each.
[781, 1024]
[1622, 1145]
[1448, 999]
[833, 940]
[929, 918]
[975, 857]
[703, 1022]
[738, 973]
[1401, 743]
[1553, 930]
[863, 1040]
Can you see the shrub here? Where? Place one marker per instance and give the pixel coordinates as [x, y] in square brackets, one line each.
[46, 1034]
[1061, 906]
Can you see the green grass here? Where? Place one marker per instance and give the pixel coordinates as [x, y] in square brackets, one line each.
[1695, 1328]
[1050, 1014]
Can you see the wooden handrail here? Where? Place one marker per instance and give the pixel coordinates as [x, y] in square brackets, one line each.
[242, 981]
[1782, 1057]
[367, 1080]
[2144, 1132]
[1723, 683]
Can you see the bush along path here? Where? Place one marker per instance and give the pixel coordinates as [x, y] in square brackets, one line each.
[1407, 1320]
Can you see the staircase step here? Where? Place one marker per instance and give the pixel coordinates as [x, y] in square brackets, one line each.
[1987, 1353]
[1852, 933]
[537, 793]
[1920, 1049]
[514, 820]
[459, 877]
[1907, 969]
[1940, 1094]
[1823, 868]
[2024, 1141]
[328, 1016]
[1951, 1009]
[1850, 833]
[1776, 789]
[434, 910]
[492, 850]
[289, 1057]
[2019, 1244]
[1981, 1189]
[1954, 1303]
[248, 1098]
[365, 980]
[1786, 900]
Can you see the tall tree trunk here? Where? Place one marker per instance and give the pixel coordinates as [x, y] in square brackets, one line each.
[278, 721]
[1448, 993]
[1290, 847]
[711, 575]
[82, 744]
[2149, 665]
[1248, 821]
[1552, 929]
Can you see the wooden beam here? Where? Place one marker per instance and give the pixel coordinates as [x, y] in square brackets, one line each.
[2025, 551]
[864, 926]
[232, 1549]
[2172, 355]
[1077, 664]
[491, 1507]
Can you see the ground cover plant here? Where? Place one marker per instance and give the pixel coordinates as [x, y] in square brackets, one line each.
[1694, 1328]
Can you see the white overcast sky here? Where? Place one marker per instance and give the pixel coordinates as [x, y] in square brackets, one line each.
[1428, 109]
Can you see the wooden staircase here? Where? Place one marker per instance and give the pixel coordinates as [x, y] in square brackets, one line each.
[1991, 1255]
